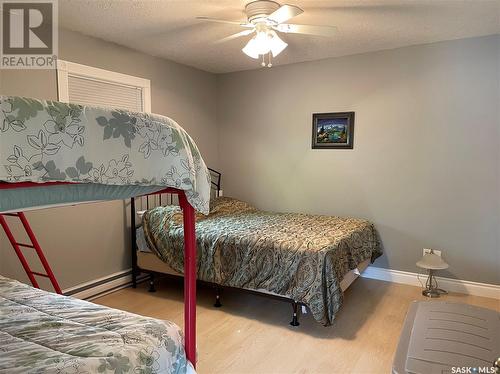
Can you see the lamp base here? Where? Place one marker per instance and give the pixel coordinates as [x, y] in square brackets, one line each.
[434, 292]
[431, 287]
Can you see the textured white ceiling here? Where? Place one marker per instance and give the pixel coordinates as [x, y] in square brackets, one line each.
[168, 28]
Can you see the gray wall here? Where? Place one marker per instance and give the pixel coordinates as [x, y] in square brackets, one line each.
[86, 242]
[425, 163]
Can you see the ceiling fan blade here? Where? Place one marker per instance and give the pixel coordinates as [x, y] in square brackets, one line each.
[234, 36]
[307, 29]
[209, 19]
[284, 13]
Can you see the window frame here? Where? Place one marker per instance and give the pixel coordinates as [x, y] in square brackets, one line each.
[66, 68]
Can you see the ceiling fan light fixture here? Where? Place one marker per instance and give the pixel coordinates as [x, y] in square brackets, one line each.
[268, 19]
[258, 45]
[263, 43]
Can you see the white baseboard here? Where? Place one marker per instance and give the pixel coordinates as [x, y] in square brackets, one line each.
[102, 286]
[117, 281]
[452, 285]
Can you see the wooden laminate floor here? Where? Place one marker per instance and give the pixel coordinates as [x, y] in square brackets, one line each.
[251, 334]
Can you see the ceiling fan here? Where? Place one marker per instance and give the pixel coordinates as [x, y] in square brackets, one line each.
[265, 19]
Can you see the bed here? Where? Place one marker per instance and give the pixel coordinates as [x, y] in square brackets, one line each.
[109, 153]
[54, 153]
[306, 259]
[44, 332]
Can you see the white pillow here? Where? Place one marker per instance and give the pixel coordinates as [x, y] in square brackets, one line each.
[140, 213]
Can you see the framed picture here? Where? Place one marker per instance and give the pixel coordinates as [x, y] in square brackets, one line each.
[333, 130]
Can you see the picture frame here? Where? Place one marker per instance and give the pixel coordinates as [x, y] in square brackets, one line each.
[333, 130]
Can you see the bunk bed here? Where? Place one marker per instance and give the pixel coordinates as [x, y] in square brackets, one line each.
[53, 154]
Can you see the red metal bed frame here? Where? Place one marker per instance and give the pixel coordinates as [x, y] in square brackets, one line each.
[189, 258]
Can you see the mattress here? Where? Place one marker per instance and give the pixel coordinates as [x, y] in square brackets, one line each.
[299, 256]
[146, 260]
[42, 332]
[47, 196]
[142, 245]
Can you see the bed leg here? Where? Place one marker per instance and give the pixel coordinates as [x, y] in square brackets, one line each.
[134, 279]
[152, 283]
[217, 304]
[295, 318]
[133, 243]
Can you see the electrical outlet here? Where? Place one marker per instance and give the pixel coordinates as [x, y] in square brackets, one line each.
[428, 250]
[221, 193]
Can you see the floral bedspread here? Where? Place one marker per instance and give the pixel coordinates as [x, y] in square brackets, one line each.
[48, 141]
[42, 332]
[300, 256]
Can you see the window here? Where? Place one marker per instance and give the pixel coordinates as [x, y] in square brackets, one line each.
[87, 85]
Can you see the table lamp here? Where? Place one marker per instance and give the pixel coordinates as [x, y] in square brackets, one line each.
[432, 262]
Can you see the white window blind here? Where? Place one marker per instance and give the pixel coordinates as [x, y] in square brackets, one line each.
[87, 91]
[87, 85]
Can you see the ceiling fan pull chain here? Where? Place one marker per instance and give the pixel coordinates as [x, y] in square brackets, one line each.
[269, 57]
[263, 63]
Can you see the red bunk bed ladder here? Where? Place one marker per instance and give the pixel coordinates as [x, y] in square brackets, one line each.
[33, 245]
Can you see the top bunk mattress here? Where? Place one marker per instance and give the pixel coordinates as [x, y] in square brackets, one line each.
[42, 332]
[49, 141]
[48, 196]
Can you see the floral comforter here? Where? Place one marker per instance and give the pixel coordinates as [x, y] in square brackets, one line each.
[42, 332]
[300, 256]
[49, 141]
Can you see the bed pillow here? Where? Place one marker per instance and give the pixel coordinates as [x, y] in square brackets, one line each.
[219, 206]
[228, 205]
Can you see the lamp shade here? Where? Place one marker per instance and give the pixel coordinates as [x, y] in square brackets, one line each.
[250, 49]
[432, 261]
[276, 44]
[263, 42]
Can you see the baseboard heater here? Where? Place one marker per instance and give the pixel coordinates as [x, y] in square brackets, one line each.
[443, 337]
[103, 286]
